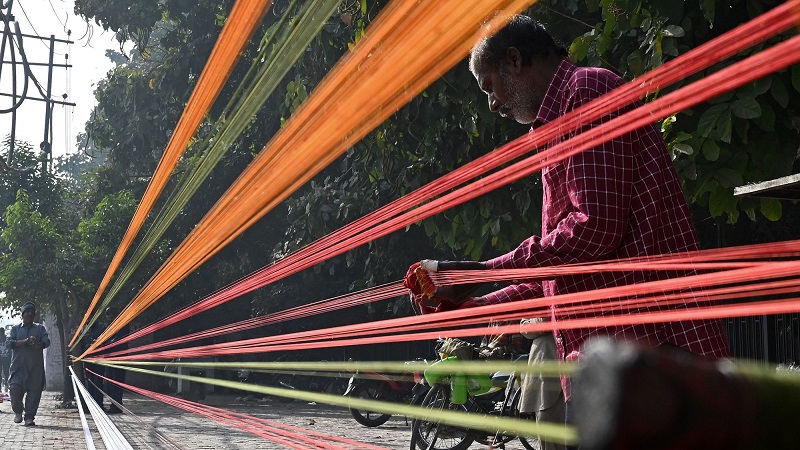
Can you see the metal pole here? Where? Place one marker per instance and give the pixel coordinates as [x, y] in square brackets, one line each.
[46, 146]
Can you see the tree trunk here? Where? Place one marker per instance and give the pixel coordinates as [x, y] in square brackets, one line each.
[62, 320]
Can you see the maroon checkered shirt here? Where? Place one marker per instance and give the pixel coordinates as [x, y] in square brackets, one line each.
[619, 200]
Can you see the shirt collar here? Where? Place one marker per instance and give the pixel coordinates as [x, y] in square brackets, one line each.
[551, 104]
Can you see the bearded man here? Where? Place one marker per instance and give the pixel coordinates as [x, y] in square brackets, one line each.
[621, 199]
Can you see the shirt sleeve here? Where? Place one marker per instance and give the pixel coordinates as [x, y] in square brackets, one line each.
[514, 292]
[599, 187]
[44, 338]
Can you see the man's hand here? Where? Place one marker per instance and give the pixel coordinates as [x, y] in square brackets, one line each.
[457, 293]
[447, 298]
[419, 282]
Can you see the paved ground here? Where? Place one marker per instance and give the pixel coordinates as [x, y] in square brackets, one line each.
[61, 429]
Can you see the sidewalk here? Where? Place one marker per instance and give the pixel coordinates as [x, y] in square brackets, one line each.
[61, 428]
[55, 428]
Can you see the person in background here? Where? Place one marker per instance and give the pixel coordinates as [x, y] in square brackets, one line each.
[27, 342]
[114, 390]
[94, 372]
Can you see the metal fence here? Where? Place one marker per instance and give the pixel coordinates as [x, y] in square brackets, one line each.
[767, 339]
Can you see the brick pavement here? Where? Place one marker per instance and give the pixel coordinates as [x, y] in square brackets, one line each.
[55, 428]
[61, 429]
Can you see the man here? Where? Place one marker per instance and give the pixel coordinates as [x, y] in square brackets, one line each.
[94, 372]
[27, 342]
[620, 199]
[114, 390]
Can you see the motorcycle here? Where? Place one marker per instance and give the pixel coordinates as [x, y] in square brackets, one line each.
[408, 388]
[496, 394]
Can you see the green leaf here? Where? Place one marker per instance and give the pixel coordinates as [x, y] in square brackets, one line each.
[796, 77]
[728, 177]
[682, 136]
[579, 48]
[430, 227]
[762, 85]
[725, 127]
[523, 200]
[710, 118]
[717, 202]
[710, 150]
[494, 226]
[669, 48]
[636, 63]
[779, 92]
[364, 7]
[772, 209]
[673, 31]
[485, 209]
[709, 9]
[767, 119]
[686, 149]
[468, 124]
[746, 108]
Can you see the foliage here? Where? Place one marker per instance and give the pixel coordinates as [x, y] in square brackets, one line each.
[39, 184]
[745, 136]
[100, 233]
[29, 268]
[748, 135]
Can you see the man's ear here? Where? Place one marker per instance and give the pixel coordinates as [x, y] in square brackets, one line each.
[514, 60]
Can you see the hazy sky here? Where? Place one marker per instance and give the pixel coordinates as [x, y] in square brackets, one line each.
[87, 56]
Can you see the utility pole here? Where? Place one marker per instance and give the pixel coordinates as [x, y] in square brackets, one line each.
[47, 145]
[27, 81]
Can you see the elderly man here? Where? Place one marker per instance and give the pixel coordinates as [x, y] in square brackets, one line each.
[620, 199]
[27, 342]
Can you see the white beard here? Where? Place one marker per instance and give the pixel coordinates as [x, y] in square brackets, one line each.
[523, 101]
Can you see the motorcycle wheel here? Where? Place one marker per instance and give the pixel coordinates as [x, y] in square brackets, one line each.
[509, 410]
[445, 437]
[372, 391]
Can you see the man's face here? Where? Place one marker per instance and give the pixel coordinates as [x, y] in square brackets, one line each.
[508, 92]
[28, 315]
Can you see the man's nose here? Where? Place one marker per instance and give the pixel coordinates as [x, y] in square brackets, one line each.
[494, 105]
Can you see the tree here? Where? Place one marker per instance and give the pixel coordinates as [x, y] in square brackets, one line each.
[715, 146]
[33, 268]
